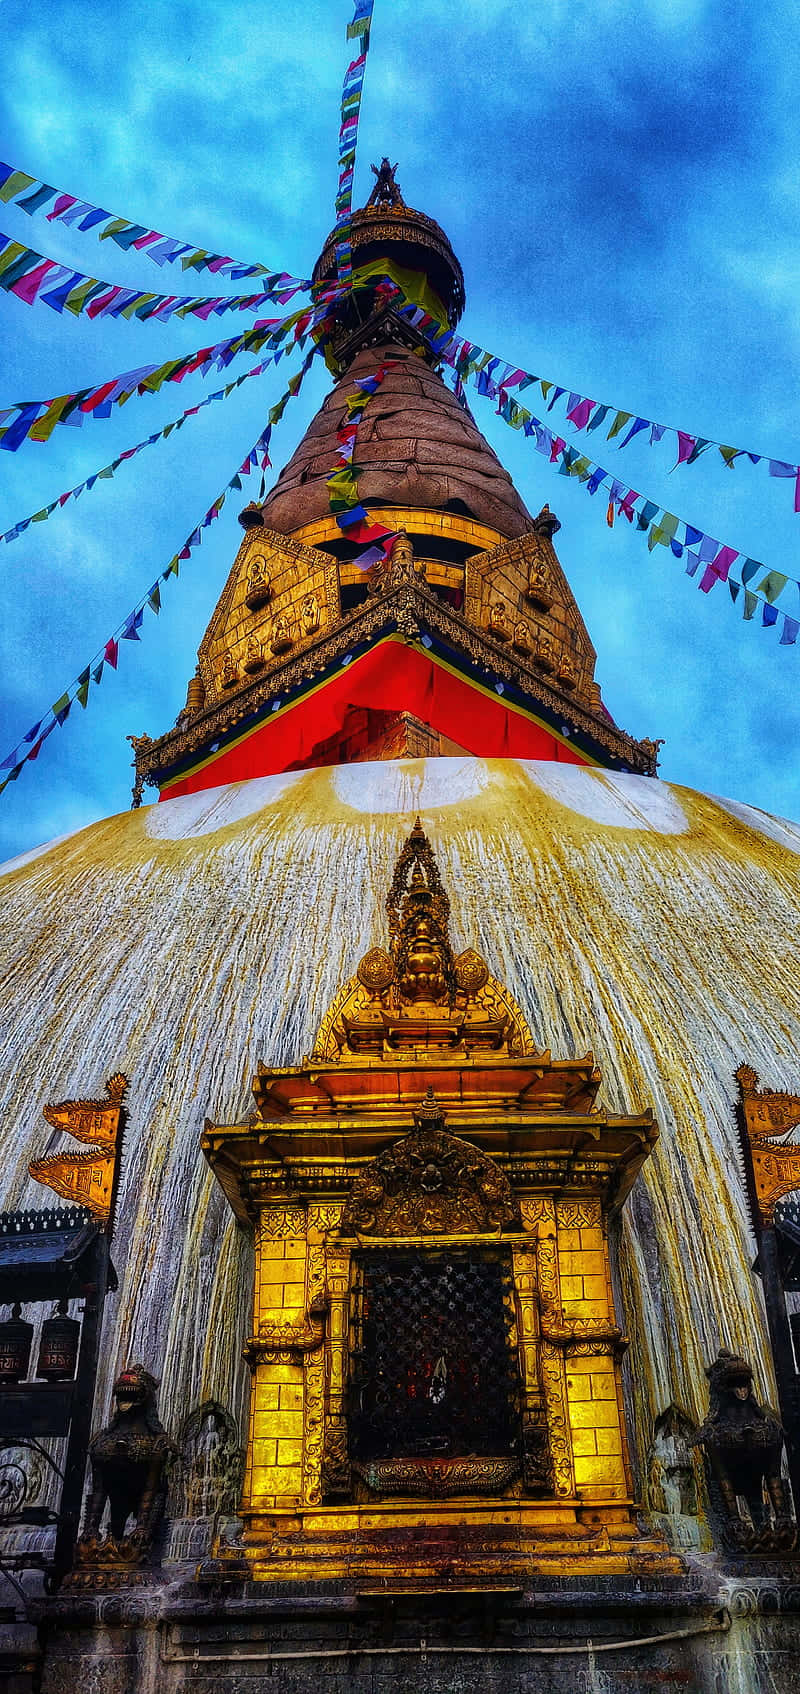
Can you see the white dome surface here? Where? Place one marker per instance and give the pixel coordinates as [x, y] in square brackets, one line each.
[184, 942]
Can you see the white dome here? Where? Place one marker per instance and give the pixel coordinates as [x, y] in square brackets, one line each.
[186, 941]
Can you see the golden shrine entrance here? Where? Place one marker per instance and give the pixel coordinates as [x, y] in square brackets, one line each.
[435, 1357]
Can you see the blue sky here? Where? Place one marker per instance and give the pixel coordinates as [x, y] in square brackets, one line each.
[620, 184]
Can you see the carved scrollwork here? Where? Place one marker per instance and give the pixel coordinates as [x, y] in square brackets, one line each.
[555, 1393]
[430, 1183]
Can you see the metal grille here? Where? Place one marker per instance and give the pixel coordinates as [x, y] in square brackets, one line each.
[433, 1370]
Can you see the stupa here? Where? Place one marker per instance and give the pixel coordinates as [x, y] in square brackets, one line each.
[430, 1218]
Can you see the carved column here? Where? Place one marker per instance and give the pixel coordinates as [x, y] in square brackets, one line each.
[535, 1455]
[554, 1380]
[336, 1478]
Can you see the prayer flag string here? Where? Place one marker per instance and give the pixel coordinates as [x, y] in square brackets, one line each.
[621, 427]
[107, 472]
[31, 744]
[36, 419]
[32, 195]
[357, 30]
[352, 518]
[648, 517]
[33, 277]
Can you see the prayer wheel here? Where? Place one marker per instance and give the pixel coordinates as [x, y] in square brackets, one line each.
[16, 1337]
[58, 1347]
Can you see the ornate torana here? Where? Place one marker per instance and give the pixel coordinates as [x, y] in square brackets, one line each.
[431, 1183]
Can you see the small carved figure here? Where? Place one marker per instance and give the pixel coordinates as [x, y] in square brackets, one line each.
[253, 657]
[545, 654]
[497, 623]
[394, 567]
[207, 1477]
[539, 590]
[310, 614]
[229, 675]
[259, 583]
[567, 673]
[650, 748]
[128, 1460]
[743, 1443]
[281, 634]
[522, 637]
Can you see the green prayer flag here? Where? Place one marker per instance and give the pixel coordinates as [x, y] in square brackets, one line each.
[15, 184]
[11, 253]
[664, 532]
[154, 598]
[79, 296]
[82, 692]
[729, 454]
[39, 517]
[619, 423]
[772, 586]
[115, 227]
[750, 603]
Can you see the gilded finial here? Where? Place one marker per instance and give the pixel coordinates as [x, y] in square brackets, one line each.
[386, 191]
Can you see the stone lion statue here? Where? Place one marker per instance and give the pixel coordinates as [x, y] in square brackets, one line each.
[129, 1470]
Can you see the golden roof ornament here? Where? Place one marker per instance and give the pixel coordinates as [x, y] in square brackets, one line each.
[386, 191]
[417, 993]
[87, 1179]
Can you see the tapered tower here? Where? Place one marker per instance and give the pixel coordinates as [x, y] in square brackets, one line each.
[462, 636]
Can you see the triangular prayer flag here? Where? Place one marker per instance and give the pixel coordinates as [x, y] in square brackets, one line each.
[597, 418]
[82, 692]
[750, 603]
[619, 423]
[111, 653]
[790, 631]
[641, 423]
[769, 615]
[772, 585]
[61, 708]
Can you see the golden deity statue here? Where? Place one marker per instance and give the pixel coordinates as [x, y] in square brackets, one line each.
[259, 583]
[496, 622]
[253, 657]
[281, 634]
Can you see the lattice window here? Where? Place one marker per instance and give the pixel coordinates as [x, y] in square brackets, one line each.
[433, 1369]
